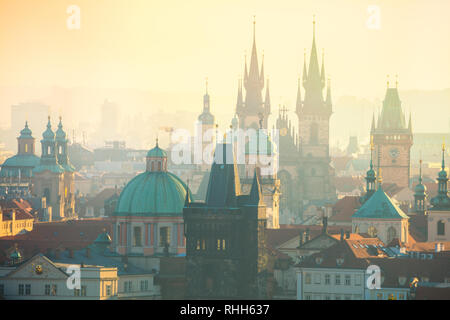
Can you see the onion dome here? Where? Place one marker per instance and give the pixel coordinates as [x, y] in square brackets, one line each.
[48, 134]
[25, 133]
[60, 134]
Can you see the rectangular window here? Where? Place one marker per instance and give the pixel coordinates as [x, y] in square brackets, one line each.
[76, 292]
[21, 289]
[307, 297]
[83, 291]
[348, 297]
[224, 246]
[327, 279]
[357, 280]
[28, 289]
[47, 289]
[54, 290]
[327, 297]
[137, 239]
[379, 296]
[108, 290]
[401, 296]
[307, 278]
[198, 245]
[337, 297]
[338, 279]
[164, 236]
[125, 289]
[2, 290]
[347, 280]
[144, 285]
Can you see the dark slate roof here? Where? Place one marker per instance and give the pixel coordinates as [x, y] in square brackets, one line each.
[224, 184]
[392, 116]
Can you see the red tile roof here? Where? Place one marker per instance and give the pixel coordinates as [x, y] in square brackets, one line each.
[75, 234]
[344, 208]
[22, 208]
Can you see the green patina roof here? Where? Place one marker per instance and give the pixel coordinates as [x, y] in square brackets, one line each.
[22, 160]
[103, 238]
[380, 206]
[25, 133]
[56, 168]
[48, 134]
[60, 133]
[68, 167]
[152, 193]
[157, 152]
[15, 255]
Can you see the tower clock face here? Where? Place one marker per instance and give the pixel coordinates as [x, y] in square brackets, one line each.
[394, 152]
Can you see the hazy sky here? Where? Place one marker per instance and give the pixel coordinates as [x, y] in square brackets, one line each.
[174, 45]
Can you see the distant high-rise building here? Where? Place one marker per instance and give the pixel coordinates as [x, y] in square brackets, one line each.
[393, 139]
[109, 120]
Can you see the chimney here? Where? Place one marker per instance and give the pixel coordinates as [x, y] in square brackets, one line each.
[301, 238]
[342, 234]
[325, 224]
[347, 235]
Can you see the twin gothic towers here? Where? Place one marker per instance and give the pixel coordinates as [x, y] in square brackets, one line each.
[304, 163]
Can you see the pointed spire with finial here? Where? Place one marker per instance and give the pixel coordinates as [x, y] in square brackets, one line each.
[372, 126]
[187, 199]
[322, 72]
[298, 105]
[328, 101]
[267, 99]
[443, 156]
[305, 72]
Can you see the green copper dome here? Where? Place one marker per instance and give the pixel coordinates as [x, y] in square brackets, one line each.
[157, 152]
[60, 134]
[420, 189]
[25, 133]
[48, 134]
[103, 238]
[152, 194]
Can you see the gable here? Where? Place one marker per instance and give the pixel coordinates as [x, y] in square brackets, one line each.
[323, 241]
[30, 270]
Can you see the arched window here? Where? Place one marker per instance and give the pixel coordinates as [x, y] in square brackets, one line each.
[159, 165]
[391, 234]
[153, 165]
[441, 228]
[314, 134]
[372, 231]
[26, 147]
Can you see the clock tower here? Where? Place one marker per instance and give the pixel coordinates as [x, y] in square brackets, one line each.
[393, 140]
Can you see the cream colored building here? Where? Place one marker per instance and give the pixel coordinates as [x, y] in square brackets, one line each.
[41, 279]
